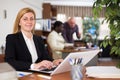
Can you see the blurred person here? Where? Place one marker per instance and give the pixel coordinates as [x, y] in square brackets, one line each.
[25, 50]
[56, 41]
[69, 28]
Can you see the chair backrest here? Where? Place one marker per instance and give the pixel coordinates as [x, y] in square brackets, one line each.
[2, 57]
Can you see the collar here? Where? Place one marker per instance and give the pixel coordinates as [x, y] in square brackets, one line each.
[25, 37]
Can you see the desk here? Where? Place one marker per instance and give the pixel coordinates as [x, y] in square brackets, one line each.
[66, 75]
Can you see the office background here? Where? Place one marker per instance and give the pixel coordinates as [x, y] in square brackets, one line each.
[9, 10]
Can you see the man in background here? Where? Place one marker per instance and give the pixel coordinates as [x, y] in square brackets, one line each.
[69, 28]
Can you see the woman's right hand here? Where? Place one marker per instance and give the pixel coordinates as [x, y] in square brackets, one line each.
[43, 64]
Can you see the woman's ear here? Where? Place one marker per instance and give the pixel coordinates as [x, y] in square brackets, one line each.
[19, 24]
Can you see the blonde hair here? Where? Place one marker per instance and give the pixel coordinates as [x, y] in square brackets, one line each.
[19, 15]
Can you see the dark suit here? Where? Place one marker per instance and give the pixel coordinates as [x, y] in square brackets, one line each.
[17, 53]
[67, 33]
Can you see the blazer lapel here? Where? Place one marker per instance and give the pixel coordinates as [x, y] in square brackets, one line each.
[24, 45]
[36, 45]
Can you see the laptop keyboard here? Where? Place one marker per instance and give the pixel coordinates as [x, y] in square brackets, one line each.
[49, 69]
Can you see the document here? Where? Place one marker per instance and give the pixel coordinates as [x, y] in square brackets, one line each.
[103, 71]
[7, 72]
[21, 73]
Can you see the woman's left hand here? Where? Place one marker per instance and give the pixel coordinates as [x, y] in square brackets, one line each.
[57, 62]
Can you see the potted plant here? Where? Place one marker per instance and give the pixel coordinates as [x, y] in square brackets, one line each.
[112, 15]
[90, 30]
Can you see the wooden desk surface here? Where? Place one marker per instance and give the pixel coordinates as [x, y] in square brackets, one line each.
[76, 49]
[66, 75]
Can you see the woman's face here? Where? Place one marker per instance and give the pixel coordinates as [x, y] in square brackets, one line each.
[27, 22]
[61, 28]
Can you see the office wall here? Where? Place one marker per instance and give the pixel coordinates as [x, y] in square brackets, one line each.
[8, 12]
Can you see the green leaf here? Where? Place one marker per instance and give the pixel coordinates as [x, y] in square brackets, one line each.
[112, 16]
[113, 50]
[110, 43]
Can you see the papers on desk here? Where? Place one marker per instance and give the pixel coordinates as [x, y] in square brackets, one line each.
[7, 72]
[69, 44]
[21, 73]
[103, 72]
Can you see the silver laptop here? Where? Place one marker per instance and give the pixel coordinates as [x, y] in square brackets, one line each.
[65, 66]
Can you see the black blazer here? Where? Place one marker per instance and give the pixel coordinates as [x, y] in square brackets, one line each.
[17, 53]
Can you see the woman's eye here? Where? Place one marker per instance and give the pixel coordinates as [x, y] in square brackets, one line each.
[31, 19]
[25, 19]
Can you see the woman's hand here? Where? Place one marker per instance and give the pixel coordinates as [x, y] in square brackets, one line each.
[57, 62]
[43, 64]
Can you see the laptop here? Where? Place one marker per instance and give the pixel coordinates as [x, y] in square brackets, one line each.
[65, 66]
[79, 43]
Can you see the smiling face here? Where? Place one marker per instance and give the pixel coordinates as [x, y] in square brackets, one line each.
[27, 22]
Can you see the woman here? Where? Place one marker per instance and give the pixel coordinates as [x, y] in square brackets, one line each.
[55, 40]
[24, 50]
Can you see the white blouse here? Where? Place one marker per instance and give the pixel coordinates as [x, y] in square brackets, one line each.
[31, 47]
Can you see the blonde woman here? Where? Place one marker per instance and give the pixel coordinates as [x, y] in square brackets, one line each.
[24, 50]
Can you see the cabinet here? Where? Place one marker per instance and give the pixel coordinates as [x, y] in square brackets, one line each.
[40, 32]
[46, 11]
[49, 12]
[46, 14]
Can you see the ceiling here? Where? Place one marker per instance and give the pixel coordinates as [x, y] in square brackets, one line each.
[71, 2]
